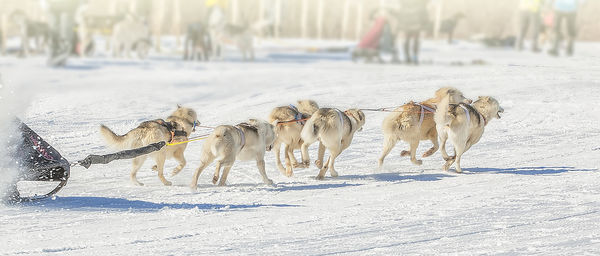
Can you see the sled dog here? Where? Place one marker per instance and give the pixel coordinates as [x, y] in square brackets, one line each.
[197, 43]
[245, 142]
[463, 124]
[130, 34]
[241, 36]
[290, 120]
[176, 127]
[334, 129]
[414, 122]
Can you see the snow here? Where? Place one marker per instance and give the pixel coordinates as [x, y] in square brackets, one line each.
[530, 187]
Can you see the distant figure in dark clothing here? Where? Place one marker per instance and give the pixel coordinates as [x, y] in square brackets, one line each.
[449, 25]
[529, 13]
[413, 18]
[565, 10]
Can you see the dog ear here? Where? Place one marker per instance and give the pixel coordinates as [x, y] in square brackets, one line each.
[179, 106]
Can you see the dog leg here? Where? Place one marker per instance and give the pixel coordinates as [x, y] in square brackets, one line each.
[260, 163]
[443, 138]
[448, 163]
[334, 154]
[305, 156]
[413, 152]
[388, 145]
[436, 145]
[178, 155]
[217, 170]
[226, 170]
[323, 170]
[137, 164]
[203, 165]
[277, 151]
[321, 155]
[160, 163]
[288, 161]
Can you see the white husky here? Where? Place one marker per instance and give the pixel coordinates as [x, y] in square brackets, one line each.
[335, 130]
[245, 141]
[463, 124]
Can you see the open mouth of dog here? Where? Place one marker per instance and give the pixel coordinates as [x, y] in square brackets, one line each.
[500, 111]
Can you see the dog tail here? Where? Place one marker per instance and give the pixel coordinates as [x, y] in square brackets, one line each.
[218, 138]
[118, 141]
[442, 116]
[310, 130]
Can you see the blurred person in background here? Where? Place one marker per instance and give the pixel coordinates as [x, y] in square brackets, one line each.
[413, 19]
[61, 19]
[565, 11]
[529, 14]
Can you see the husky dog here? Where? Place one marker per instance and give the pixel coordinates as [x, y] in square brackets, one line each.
[334, 129]
[463, 124]
[245, 142]
[197, 43]
[290, 120]
[241, 36]
[28, 29]
[176, 127]
[130, 34]
[414, 122]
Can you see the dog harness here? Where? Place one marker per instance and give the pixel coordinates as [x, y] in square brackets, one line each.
[241, 136]
[298, 116]
[171, 128]
[469, 115]
[466, 113]
[340, 115]
[423, 108]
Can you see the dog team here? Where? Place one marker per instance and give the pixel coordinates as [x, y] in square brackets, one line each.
[446, 116]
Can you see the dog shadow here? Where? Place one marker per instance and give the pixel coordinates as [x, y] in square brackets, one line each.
[539, 170]
[398, 177]
[283, 187]
[122, 204]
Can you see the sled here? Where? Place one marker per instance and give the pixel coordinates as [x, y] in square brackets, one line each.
[37, 161]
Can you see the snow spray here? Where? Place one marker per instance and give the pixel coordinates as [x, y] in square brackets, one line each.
[10, 107]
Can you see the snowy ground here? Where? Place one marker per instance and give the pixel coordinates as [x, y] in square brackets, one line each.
[531, 185]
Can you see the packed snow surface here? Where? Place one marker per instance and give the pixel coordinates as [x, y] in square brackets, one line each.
[531, 184]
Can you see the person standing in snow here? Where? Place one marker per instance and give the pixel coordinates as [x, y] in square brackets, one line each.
[62, 23]
[529, 13]
[565, 11]
[413, 18]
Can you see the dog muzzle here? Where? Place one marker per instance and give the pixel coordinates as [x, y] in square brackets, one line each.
[269, 147]
[499, 111]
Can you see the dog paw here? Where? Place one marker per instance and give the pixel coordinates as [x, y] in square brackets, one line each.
[319, 177]
[428, 153]
[319, 164]
[155, 168]
[168, 183]
[289, 172]
[194, 188]
[405, 153]
[269, 182]
[215, 179]
[137, 183]
[300, 165]
[417, 162]
[334, 173]
[446, 166]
